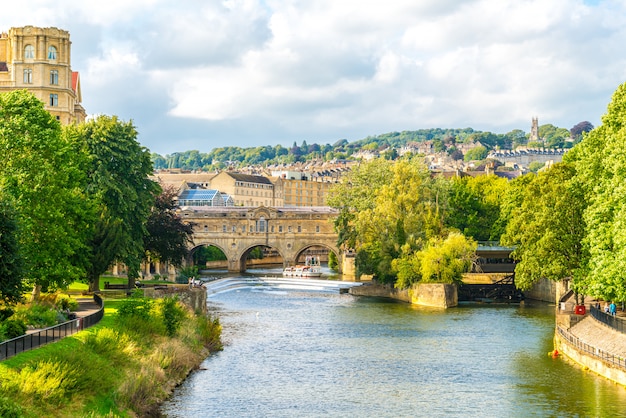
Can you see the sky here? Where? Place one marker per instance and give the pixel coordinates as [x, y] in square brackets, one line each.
[202, 74]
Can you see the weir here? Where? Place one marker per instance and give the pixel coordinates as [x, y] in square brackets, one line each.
[218, 286]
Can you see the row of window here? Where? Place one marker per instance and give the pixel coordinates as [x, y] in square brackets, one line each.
[250, 193]
[260, 226]
[253, 185]
[28, 76]
[29, 52]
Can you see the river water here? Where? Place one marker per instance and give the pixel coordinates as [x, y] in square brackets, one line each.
[311, 354]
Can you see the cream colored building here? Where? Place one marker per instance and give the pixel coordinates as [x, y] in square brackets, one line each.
[247, 189]
[303, 192]
[39, 60]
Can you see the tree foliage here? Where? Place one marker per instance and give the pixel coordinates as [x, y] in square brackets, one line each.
[168, 235]
[117, 168]
[577, 130]
[390, 213]
[474, 206]
[546, 226]
[41, 173]
[10, 256]
[600, 162]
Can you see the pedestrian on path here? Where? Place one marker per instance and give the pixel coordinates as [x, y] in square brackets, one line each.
[612, 308]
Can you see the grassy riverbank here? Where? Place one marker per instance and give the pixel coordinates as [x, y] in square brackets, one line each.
[124, 366]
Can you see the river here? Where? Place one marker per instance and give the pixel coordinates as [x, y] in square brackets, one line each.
[311, 354]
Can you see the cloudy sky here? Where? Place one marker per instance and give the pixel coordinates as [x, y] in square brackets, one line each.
[200, 74]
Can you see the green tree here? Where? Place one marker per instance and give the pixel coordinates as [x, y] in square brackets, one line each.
[474, 206]
[547, 227]
[10, 256]
[476, 154]
[386, 210]
[118, 170]
[41, 173]
[601, 166]
[442, 260]
[168, 237]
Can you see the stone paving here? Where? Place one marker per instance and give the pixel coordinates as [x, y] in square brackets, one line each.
[595, 333]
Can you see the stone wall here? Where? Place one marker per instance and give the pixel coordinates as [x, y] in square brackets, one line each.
[379, 290]
[427, 294]
[547, 290]
[594, 364]
[439, 295]
[194, 298]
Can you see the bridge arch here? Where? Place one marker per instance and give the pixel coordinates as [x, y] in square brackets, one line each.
[236, 230]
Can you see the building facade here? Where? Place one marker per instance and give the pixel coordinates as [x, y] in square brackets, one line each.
[247, 189]
[39, 60]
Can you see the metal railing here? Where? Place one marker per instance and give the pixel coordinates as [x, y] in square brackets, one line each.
[618, 324]
[591, 350]
[27, 342]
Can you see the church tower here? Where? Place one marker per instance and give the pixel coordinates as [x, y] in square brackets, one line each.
[534, 130]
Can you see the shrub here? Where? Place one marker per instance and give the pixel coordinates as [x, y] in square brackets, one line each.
[137, 307]
[37, 315]
[172, 315]
[64, 302]
[5, 313]
[12, 328]
[210, 332]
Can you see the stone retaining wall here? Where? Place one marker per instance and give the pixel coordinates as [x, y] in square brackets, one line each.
[194, 298]
[426, 294]
[586, 360]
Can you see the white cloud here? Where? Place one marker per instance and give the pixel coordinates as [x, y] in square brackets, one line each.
[280, 70]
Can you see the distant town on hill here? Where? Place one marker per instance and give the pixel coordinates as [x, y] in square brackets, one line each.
[458, 144]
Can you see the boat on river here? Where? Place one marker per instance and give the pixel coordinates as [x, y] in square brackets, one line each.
[310, 268]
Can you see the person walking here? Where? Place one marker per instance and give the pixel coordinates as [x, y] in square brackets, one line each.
[612, 308]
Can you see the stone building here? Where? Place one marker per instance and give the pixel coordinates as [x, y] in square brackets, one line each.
[247, 189]
[39, 60]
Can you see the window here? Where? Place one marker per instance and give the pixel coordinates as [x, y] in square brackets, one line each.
[280, 228]
[289, 229]
[29, 52]
[206, 228]
[54, 77]
[28, 76]
[234, 228]
[223, 228]
[54, 100]
[52, 53]
[317, 228]
[243, 228]
[299, 228]
[261, 225]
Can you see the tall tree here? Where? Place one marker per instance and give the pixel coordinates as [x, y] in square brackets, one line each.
[388, 211]
[600, 161]
[168, 236]
[474, 206]
[118, 183]
[547, 228]
[41, 172]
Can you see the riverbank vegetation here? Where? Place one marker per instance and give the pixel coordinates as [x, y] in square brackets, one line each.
[566, 222]
[124, 366]
[75, 199]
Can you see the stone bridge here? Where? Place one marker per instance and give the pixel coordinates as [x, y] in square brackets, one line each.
[237, 230]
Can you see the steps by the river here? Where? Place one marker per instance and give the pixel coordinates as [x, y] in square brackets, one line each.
[286, 283]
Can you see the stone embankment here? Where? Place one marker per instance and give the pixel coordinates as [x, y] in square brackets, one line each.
[591, 343]
[428, 294]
